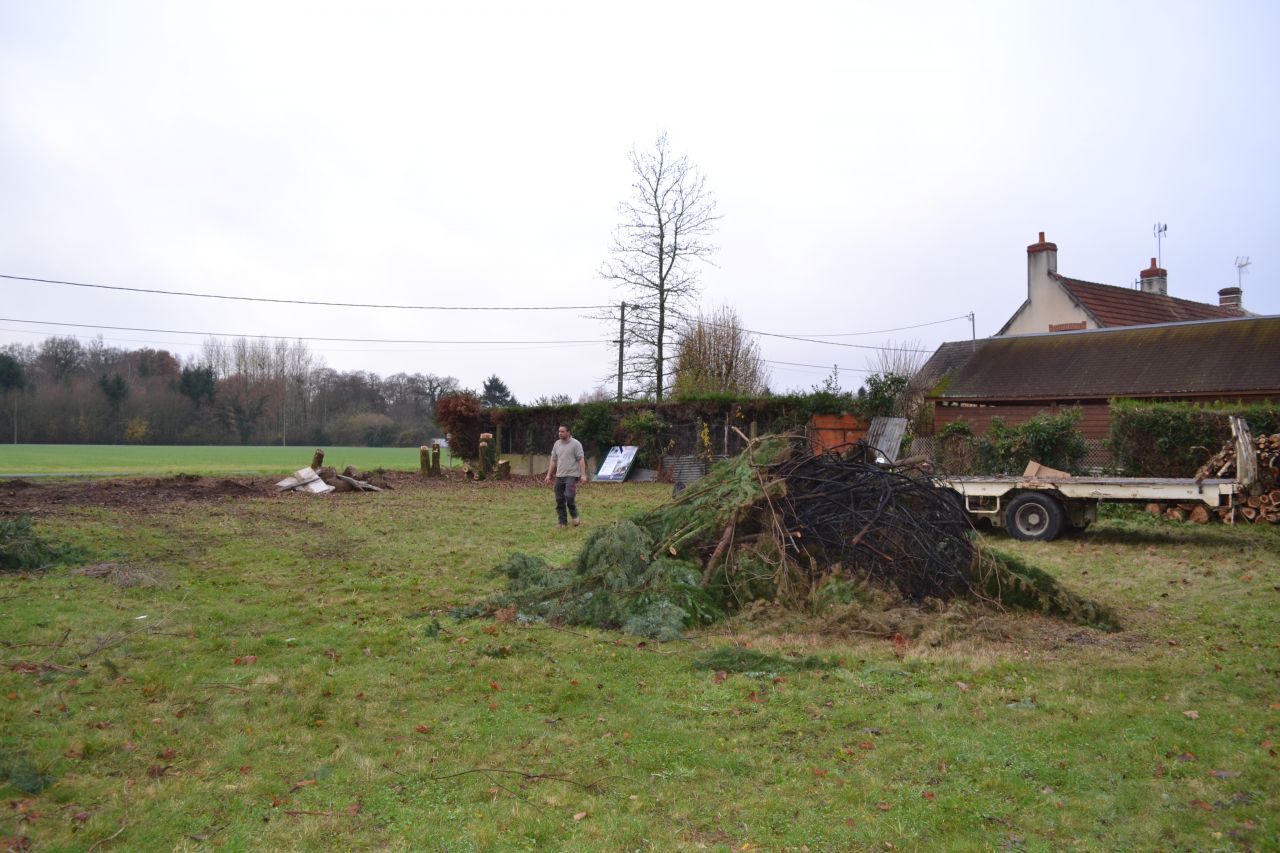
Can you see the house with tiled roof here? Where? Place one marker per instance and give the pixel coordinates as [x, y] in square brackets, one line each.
[1056, 303]
[1078, 343]
[1016, 377]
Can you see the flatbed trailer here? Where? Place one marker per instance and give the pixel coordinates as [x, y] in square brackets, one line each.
[1041, 506]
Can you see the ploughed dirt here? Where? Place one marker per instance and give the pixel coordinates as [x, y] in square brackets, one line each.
[35, 497]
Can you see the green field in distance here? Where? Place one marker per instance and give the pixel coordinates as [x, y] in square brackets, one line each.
[64, 460]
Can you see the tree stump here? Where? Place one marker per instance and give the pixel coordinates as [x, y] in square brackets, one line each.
[503, 471]
[424, 460]
[435, 460]
[317, 460]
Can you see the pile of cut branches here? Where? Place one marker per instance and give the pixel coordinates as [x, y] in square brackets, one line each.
[773, 524]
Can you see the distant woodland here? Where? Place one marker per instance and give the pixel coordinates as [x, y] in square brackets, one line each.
[241, 391]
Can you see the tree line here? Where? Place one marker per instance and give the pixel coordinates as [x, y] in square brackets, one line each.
[241, 391]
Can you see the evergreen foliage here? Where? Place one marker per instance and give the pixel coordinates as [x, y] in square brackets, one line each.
[726, 541]
[23, 549]
[1153, 439]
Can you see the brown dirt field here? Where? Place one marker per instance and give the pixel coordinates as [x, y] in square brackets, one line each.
[141, 494]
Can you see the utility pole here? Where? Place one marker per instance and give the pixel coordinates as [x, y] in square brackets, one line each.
[622, 335]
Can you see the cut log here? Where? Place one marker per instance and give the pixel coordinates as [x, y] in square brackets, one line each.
[358, 485]
[1155, 508]
[1175, 514]
[1199, 515]
[1248, 513]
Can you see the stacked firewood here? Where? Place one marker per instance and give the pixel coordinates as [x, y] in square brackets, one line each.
[1263, 506]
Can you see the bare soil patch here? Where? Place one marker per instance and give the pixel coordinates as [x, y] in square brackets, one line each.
[143, 494]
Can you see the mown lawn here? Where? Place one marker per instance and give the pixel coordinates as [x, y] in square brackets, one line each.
[292, 680]
[25, 460]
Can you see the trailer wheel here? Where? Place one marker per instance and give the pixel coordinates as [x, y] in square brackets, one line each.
[1033, 516]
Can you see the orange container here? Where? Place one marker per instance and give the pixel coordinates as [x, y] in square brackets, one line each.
[827, 432]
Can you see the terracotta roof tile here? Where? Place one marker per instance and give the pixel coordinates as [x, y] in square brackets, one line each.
[1121, 306]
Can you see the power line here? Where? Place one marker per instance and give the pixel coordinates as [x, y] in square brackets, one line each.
[811, 340]
[293, 337]
[820, 366]
[152, 342]
[310, 302]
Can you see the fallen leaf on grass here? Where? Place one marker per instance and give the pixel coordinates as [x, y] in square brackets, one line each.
[245, 660]
[355, 808]
[579, 815]
[884, 807]
[1187, 756]
[304, 783]
[930, 796]
[81, 817]
[168, 753]
[155, 771]
[866, 744]
[16, 843]
[1191, 715]
[493, 685]
[964, 688]
[422, 729]
[1200, 804]
[719, 677]
[1159, 771]
[244, 770]
[1223, 774]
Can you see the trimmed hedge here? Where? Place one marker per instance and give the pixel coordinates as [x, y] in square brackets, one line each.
[1151, 439]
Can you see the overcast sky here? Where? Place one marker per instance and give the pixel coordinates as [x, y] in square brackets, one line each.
[875, 168]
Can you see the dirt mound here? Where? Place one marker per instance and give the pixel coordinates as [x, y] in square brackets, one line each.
[144, 494]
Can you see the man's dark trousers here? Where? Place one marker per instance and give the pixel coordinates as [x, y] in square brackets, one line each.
[566, 498]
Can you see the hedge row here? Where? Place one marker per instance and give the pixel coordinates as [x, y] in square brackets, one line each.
[1173, 439]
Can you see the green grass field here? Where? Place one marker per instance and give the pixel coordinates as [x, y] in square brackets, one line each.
[125, 460]
[284, 675]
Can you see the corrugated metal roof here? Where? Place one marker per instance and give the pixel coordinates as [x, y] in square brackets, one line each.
[1205, 357]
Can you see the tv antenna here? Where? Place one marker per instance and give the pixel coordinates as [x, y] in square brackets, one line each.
[1242, 267]
[1158, 231]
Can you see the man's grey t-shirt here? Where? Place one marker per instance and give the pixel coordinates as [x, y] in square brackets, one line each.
[567, 455]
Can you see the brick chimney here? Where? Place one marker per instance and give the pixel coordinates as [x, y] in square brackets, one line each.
[1042, 259]
[1155, 280]
[1231, 297]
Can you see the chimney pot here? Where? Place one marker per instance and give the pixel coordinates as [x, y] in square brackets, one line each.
[1154, 279]
[1231, 297]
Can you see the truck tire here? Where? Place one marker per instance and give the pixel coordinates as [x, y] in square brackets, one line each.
[1033, 516]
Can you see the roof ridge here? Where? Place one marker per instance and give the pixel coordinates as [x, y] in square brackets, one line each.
[1142, 293]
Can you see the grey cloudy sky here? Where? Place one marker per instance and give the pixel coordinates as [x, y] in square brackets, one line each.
[875, 167]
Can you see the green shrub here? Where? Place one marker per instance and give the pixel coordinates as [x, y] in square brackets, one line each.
[1051, 440]
[645, 430]
[1151, 439]
[594, 427]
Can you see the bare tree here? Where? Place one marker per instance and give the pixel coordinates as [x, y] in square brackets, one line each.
[902, 360]
[664, 228]
[716, 355]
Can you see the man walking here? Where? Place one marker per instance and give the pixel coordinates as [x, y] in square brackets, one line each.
[569, 467]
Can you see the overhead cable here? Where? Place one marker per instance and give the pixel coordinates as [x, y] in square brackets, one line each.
[292, 337]
[307, 301]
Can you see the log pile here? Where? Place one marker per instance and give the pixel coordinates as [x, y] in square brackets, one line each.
[1264, 506]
